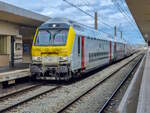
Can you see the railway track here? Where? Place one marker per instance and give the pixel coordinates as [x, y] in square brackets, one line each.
[119, 86]
[16, 98]
[69, 105]
[6, 95]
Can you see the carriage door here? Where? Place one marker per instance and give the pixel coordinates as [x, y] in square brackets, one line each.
[79, 53]
[82, 53]
[110, 56]
[115, 50]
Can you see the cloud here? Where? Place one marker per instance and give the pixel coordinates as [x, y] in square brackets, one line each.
[107, 12]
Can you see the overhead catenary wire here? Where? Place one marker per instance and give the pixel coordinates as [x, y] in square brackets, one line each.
[87, 13]
[86, 3]
[90, 16]
[104, 23]
[125, 13]
[128, 18]
[78, 8]
[125, 7]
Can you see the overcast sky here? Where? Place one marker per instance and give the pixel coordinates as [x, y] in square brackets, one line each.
[108, 12]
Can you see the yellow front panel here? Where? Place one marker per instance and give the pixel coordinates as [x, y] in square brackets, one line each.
[55, 50]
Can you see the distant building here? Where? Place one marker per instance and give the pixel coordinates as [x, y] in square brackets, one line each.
[17, 28]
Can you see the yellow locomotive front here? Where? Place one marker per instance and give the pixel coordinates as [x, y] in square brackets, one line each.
[51, 51]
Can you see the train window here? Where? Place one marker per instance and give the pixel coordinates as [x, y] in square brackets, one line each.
[99, 45]
[51, 37]
[43, 38]
[78, 46]
[60, 38]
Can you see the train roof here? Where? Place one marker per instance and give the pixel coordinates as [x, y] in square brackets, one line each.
[80, 29]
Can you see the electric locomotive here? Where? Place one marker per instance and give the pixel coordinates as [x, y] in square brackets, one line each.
[63, 49]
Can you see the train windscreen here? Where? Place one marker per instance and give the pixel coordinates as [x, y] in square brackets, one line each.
[51, 38]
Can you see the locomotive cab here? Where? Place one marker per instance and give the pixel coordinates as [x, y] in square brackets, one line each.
[51, 51]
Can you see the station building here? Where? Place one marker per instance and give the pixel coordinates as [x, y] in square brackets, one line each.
[17, 28]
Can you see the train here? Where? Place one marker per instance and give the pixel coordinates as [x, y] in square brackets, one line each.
[63, 49]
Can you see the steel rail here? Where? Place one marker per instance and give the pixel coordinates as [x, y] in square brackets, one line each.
[90, 89]
[119, 86]
[7, 95]
[28, 99]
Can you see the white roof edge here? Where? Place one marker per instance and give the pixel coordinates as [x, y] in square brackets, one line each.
[5, 7]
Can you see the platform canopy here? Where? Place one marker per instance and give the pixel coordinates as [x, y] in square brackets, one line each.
[140, 10]
[22, 17]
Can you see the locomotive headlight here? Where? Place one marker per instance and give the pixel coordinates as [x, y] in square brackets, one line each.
[64, 58]
[36, 58]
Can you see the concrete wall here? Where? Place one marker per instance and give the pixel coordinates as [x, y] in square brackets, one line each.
[4, 60]
[8, 29]
[8, 44]
[27, 37]
[27, 34]
[27, 55]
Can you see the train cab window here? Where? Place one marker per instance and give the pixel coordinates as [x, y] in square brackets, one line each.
[43, 38]
[51, 37]
[60, 38]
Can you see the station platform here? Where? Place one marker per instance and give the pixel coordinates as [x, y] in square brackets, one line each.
[144, 94]
[16, 67]
[9, 74]
[137, 97]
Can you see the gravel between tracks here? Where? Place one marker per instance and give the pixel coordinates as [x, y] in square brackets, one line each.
[6, 102]
[115, 101]
[92, 102]
[52, 102]
[14, 88]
